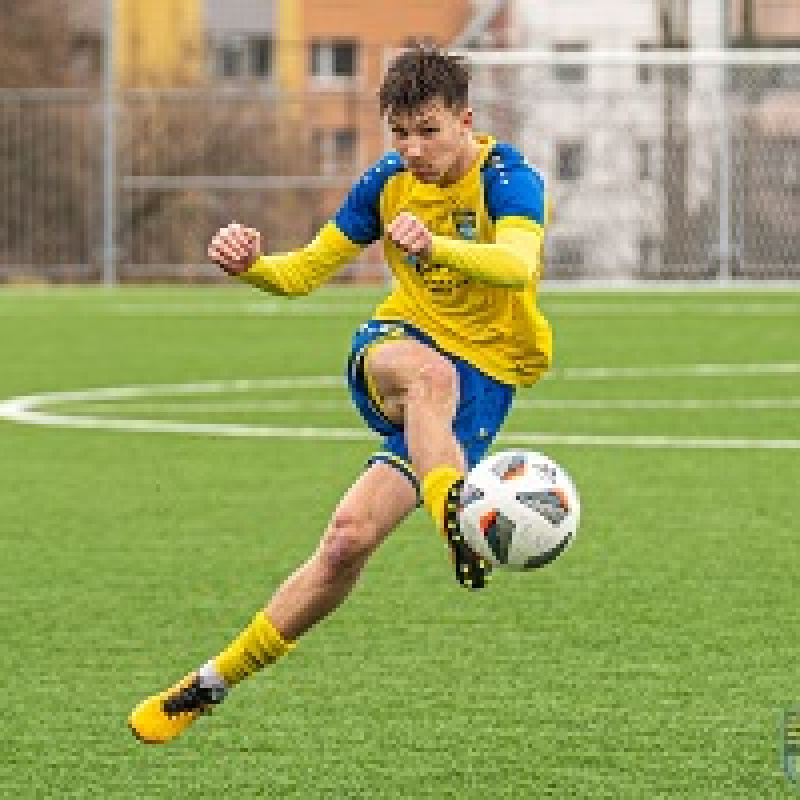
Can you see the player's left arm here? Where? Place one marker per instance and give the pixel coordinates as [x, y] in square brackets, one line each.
[513, 261]
[515, 199]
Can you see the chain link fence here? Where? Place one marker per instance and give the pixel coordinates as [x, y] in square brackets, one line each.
[660, 166]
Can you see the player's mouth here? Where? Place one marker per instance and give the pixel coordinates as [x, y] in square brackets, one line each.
[425, 173]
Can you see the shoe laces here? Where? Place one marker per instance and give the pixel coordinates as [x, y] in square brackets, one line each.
[195, 696]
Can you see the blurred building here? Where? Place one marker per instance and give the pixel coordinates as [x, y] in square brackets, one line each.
[634, 152]
[766, 143]
[156, 42]
[281, 110]
[344, 47]
[765, 23]
[615, 139]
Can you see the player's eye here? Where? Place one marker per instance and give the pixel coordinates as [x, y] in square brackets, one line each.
[430, 131]
[399, 133]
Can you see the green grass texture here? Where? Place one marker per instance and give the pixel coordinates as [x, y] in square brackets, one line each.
[651, 661]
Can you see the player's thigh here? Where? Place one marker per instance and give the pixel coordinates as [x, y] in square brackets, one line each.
[375, 505]
[394, 364]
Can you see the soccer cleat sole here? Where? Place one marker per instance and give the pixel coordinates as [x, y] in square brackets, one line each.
[472, 571]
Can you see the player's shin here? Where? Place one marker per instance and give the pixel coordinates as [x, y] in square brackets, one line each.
[436, 454]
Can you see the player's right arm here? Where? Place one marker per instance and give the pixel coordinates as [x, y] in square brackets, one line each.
[238, 251]
[356, 224]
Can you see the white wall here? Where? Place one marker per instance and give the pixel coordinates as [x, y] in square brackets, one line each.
[610, 206]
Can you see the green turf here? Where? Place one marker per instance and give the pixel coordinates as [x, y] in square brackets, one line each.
[651, 661]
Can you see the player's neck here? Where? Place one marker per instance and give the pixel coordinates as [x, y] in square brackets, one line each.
[463, 164]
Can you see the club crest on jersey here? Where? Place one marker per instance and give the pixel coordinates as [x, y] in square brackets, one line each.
[790, 745]
[466, 223]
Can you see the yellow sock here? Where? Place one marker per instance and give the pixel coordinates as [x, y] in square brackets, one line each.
[259, 644]
[435, 486]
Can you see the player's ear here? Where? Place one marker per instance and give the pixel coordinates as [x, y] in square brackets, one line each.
[466, 117]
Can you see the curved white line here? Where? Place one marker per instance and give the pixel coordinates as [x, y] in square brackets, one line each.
[339, 405]
[25, 410]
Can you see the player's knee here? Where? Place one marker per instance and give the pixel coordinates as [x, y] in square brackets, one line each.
[441, 375]
[436, 382]
[347, 543]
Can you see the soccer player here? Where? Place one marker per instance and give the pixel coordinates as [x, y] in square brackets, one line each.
[461, 217]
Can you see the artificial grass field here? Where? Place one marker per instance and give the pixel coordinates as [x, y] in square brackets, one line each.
[650, 661]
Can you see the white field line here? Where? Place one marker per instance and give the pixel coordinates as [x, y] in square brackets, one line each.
[290, 309]
[364, 307]
[363, 434]
[672, 308]
[336, 382]
[323, 308]
[306, 406]
[600, 286]
[27, 410]
[680, 371]
[303, 308]
[666, 442]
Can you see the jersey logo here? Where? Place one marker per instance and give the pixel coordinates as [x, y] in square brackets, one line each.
[466, 224]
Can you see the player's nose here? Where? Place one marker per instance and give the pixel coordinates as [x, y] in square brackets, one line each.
[412, 148]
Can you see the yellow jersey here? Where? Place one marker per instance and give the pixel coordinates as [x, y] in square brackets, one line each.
[476, 295]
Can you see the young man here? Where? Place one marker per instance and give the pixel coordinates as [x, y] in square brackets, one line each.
[462, 222]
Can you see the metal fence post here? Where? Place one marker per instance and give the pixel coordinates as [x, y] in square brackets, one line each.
[109, 211]
[724, 181]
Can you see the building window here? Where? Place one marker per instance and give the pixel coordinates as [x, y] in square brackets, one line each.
[259, 56]
[243, 56]
[229, 61]
[570, 73]
[567, 252]
[646, 157]
[86, 58]
[570, 157]
[344, 146]
[335, 149]
[334, 58]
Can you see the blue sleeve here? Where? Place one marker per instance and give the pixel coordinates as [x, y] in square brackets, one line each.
[513, 188]
[359, 216]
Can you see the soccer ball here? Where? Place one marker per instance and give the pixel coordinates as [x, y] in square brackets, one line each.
[519, 510]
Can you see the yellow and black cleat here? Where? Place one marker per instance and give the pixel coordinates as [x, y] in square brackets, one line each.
[162, 717]
[472, 571]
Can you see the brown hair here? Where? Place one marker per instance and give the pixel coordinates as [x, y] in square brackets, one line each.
[420, 75]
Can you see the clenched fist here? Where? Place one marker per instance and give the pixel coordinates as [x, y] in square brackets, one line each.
[235, 248]
[409, 234]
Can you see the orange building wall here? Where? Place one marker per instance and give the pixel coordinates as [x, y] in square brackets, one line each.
[378, 26]
[773, 20]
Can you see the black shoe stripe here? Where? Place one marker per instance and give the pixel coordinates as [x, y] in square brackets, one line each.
[475, 575]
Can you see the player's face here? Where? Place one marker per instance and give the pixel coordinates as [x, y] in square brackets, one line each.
[435, 141]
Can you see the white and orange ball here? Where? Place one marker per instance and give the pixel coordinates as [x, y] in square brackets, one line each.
[519, 509]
